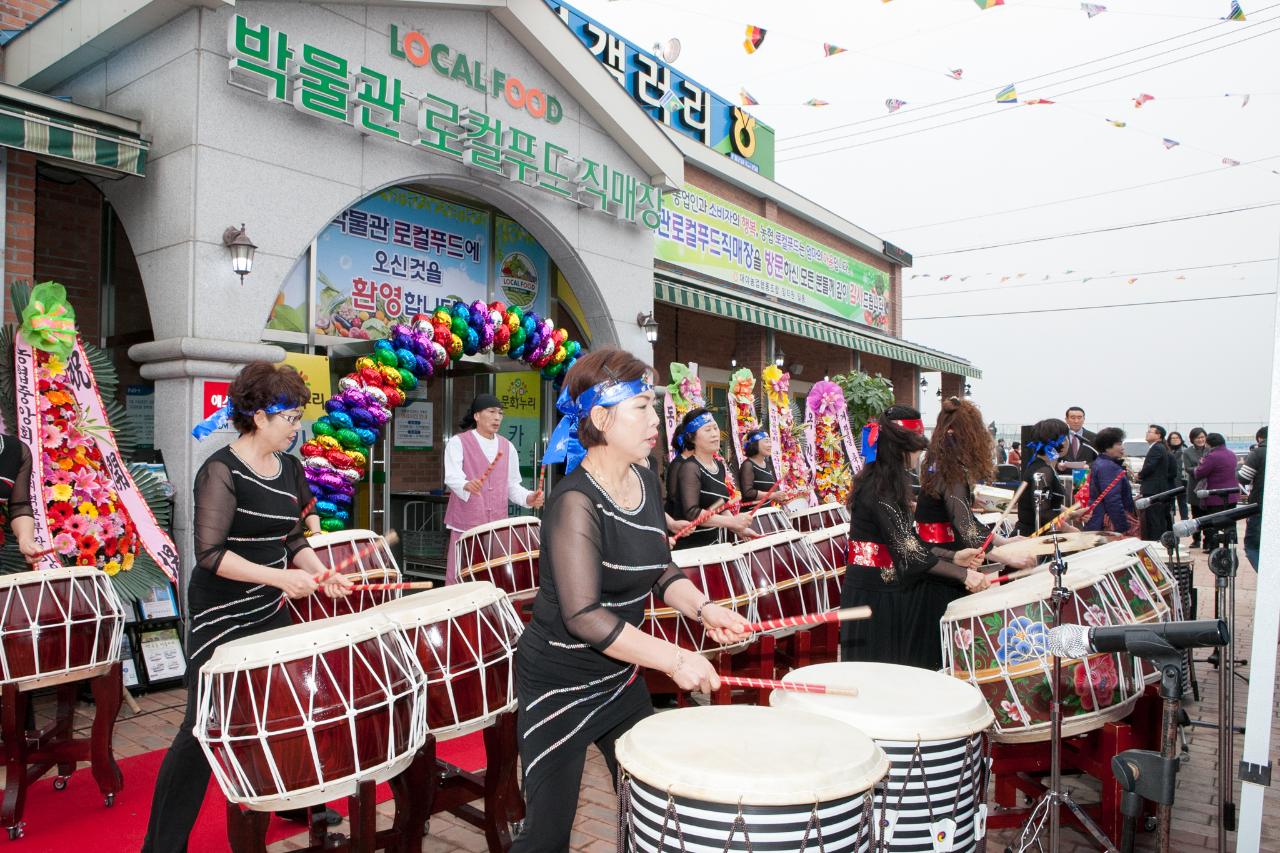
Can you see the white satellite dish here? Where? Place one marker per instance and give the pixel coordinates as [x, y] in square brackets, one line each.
[669, 51]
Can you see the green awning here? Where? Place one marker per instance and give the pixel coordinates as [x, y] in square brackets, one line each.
[97, 147]
[710, 302]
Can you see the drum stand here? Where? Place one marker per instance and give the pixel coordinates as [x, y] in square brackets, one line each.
[450, 789]
[28, 755]
[1050, 805]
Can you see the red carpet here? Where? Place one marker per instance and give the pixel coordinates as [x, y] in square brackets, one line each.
[75, 819]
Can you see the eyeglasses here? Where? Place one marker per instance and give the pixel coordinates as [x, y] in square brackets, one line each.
[292, 420]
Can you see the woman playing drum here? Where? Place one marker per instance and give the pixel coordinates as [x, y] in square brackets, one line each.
[604, 548]
[248, 500]
[756, 474]
[887, 559]
[1045, 495]
[958, 458]
[705, 481]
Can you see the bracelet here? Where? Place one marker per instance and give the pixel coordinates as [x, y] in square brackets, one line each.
[697, 614]
[679, 663]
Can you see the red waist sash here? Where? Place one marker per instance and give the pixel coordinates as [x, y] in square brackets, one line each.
[936, 532]
[870, 554]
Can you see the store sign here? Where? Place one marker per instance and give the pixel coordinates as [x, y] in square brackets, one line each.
[314, 370]
[707, 235]
[323, 84]
[215, 395]
[521, 396]
[521, 267]
[395, 254]
[672, 98]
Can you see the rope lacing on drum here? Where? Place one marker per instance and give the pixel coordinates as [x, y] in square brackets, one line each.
[964, 770]
[738, 821]
[627, 825]
[672, 816]
[880, 824]
[814, 823]
[916, 758]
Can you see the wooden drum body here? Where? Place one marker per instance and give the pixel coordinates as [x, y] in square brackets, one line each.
[831, 548]
[58, 625]
[464, 637]
[505, 553]
[932, 728]
[783, 577]
[717, 571]
[997, 640]
[376, 566]
[299, 716]
[820, 517]
[770, 519]
[740, 777]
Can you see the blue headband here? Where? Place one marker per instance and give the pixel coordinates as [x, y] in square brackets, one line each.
[757, 435]
[698, 423]
[1050, 450]
[220, 418]
[563, 446]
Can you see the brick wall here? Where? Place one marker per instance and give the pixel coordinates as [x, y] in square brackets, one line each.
[19, 223]
[817, 358]
[19, 14]
[422, 470]
[952, 385]
[68, 245]
[905, 387]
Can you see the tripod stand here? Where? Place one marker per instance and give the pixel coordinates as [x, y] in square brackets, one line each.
[1050, 805]
[1224, 561]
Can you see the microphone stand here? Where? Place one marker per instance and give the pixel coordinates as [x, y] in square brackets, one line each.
[1224, 561]
[1054, 797]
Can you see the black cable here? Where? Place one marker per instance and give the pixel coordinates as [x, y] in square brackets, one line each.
[1004, 110]
[782, 147]
[1092, 307]
[1101, 230]
[1007, 288]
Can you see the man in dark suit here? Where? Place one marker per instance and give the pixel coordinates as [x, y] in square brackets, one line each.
[1157, 475]
[1079, 442]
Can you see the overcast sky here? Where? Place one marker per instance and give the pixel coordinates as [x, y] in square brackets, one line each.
[1193, 361]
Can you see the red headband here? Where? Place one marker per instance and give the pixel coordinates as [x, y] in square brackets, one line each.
[913, 424]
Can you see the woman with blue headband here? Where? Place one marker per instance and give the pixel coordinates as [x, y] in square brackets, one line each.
[705, 481]
[249, 548]
[604, 551]
[1044, 497]
[756, 475]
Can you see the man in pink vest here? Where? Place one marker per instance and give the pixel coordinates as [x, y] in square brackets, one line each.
[474, 497]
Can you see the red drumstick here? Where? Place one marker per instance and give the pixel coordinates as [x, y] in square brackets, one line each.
[844, 615]
[762, 501]
[542, 477]
[306, 510]
[359, 556]
[1109, 487]
[373, 587]
[492, 465]
[794, 686]
[702, 517]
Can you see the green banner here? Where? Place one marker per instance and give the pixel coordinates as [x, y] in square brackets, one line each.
[707, 235]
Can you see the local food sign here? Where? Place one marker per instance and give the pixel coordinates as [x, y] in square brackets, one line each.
[379, 103]
[706, 234]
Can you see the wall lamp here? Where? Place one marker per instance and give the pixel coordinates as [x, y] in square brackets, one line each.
[241, 248]
[650, 326]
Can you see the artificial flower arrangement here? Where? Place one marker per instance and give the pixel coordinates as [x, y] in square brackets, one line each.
[684, 393]
[789, 463]
[835, 457]
[89, 508]
[742, 410]
[337, 457]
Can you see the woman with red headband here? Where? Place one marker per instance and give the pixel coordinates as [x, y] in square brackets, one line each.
[888, 561]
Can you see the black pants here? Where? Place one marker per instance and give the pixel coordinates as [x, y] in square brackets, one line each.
[1155, 522]
[551, 806]
[1199, 512]
[1184, 511]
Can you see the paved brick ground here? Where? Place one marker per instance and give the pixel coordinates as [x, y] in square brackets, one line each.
[1195, 814]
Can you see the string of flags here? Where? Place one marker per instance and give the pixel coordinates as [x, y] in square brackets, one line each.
[1142, 99]
[894, 104]
[832, 50]
[1093, 9]
[748, 100]
[987, 4]
[755, 38]
[955, 73]
[1056, 278]
[1007, 95]
[1236, 13]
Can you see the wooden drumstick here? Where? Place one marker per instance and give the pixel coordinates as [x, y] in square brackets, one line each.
[542, 477]
[793, 686]
[1075, 507]
[359, 556]
[762, 501]
[130, 701]
[492, 465]
[1009, 507]
[845, 615]
[373, 587]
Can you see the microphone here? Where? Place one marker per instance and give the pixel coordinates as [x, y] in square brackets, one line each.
[1205, 493]
[1143, 503]
[1189, 526]
[1078, 641]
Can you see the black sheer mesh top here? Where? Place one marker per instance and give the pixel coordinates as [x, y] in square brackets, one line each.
[15, 478]
[756, 480]
[954, 507]
[701, 488]
[891, 527]
[241, 512]
[1043, 498]
[599, 563]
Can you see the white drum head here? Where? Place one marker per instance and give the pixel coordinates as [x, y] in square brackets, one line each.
[753, 755]
[514, 521]
[826, 534]
[783, 538]
[901, 703]
[41, 575]
[685, 558]
[433, 605]
[283, 644]
[1037, 587]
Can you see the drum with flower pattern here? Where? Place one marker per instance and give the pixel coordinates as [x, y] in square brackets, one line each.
[997, 640]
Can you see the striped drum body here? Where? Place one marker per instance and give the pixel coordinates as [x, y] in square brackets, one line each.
[738, 777]
[932, 728]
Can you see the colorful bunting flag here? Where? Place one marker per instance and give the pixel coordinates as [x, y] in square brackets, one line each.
[1037, 101]
[1116, 123]
[1170, 143]
[831, 50]
[755, 38]
[1142, 99]
[1093, 9]
[1003, 279]
[987, 4]
[955, 73]
[747, 99]
[1236, 13]
[894, 104]
[1132, 280]
[1227, 161]
[1179, 278]
[1244, 99]
[945, 277]
[1007, 95]
[815, 102]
